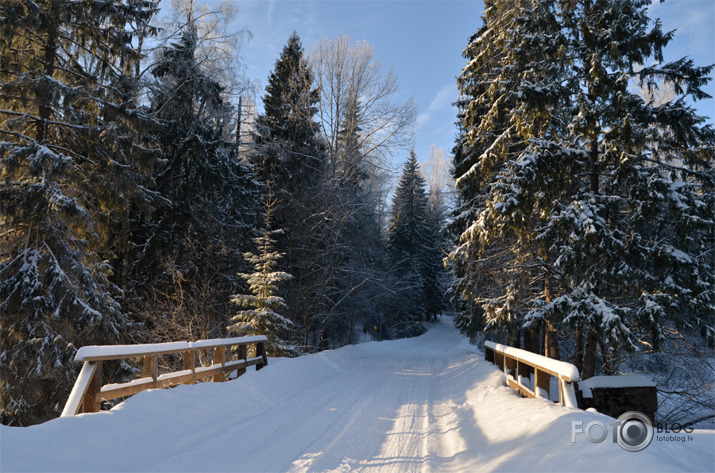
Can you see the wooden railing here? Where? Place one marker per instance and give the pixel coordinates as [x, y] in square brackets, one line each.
[88, 392]
[531, 374]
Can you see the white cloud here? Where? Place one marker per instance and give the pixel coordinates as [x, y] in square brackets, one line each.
[269, 13]
[442, 101]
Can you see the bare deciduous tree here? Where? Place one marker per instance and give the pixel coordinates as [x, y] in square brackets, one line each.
[437, 172]
[358, 99]
[218, 50]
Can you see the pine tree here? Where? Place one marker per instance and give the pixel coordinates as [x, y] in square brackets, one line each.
[600, 230]
[261, 315]
[72, 166]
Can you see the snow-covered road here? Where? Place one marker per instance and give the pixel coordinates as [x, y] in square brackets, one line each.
[425, 404]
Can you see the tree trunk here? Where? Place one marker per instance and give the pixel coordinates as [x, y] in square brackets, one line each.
[44, 94]
[551, 341]
[512, 338]
[578, 350]
[589, 355]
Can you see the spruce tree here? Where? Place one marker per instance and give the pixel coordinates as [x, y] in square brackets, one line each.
[413, 245]
[262, 309]
[288, 153]
[484, 142]
[188, 252]
[600, 202]
[72, 165]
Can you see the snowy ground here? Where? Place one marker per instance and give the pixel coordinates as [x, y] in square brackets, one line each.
[424, 404]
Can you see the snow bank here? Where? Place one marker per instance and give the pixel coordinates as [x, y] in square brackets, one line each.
[422, 404]
[622, 381]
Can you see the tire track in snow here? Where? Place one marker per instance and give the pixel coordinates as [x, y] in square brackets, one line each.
[424, 404]
[373, 410]
[424, 432]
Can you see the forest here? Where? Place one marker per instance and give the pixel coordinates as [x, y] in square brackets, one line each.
[143, 198]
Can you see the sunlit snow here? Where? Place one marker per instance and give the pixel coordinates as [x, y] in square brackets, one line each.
[424, 404]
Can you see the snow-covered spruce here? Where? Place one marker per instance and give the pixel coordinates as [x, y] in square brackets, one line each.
[586, 207]
[70, 156]
[261, 310]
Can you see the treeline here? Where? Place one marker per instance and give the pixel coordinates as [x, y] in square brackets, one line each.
[585, 229]
[139, 204]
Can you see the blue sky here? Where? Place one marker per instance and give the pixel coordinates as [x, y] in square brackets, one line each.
[423, 40]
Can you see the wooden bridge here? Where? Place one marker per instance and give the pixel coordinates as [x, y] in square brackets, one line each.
[429, 403]
[534, 375]
[88, 392]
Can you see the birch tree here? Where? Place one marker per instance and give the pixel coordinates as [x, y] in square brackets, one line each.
[359, 99]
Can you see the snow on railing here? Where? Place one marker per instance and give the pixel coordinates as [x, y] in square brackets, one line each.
[532, 374]
[88, 392]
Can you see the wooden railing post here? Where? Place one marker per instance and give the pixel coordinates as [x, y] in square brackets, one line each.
[151, 368]
[242, 355]
[261, 351]
[91, 398]
[79, 390]
[219, 357]
[190, 364]
[489, 355]
[568, 393]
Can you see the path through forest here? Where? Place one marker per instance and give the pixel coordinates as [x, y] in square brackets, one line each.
[424, 404]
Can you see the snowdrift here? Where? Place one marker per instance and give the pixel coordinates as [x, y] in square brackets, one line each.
[429, 403]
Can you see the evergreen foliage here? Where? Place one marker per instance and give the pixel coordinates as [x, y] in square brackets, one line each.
[187, 254]
[289, 154]
[126, 208]
[413, 246]
[288, 151]
[72, 166]
[262, 309]
[593, 203]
